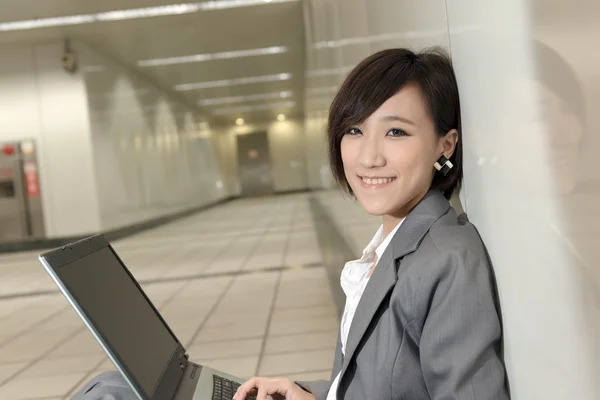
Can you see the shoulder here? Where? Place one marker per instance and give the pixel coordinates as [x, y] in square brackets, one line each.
[451, 234]
[452, 243]
[451, 267]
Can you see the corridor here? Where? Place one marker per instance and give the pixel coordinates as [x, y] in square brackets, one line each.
[241, 285]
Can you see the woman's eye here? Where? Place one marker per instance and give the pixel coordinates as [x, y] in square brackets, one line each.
[396, 132]
[354, 131]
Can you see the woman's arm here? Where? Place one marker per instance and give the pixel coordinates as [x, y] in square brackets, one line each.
[460, 344]
[319, 389]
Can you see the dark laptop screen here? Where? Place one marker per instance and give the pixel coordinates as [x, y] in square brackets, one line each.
[121, 314]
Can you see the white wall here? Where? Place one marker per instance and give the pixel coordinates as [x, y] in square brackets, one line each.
[524, 185]
[154, 155]
[40, 101]
[286, 147]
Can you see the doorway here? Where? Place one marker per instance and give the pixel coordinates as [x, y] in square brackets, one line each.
[254, 164]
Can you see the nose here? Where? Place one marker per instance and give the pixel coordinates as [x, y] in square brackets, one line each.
[370, 153]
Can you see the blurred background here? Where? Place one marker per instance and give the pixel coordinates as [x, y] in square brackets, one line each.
[193, 135]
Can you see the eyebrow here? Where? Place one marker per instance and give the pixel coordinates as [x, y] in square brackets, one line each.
[397, 118]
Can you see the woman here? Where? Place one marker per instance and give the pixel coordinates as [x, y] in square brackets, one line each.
[421, 319]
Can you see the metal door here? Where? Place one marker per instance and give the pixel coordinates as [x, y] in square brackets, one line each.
[20, 203]
[254, 163]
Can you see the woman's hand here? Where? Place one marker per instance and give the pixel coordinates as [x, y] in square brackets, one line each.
[272, 388]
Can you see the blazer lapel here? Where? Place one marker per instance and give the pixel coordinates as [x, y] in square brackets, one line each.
[405, 241]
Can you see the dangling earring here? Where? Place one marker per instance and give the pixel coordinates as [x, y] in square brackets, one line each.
[443, 165]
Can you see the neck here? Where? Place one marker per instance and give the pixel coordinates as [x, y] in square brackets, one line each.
[389, 223]
[391, 220]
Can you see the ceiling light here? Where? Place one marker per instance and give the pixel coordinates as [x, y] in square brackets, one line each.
[242, 99]
[147, 12]
[261, 107]
[225, 55]
[223, 4]
[379, 38]
[239, 121]
[134, 13]
[233, 82]
[281, 117]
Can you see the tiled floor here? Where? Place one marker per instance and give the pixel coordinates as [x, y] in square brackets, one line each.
[240, 284]
[352, 221]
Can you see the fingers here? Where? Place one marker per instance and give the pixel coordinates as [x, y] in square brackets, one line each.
[264, 387]
[246, 388]
[263, 391]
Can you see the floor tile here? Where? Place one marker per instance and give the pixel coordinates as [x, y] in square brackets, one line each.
[304, 325]
[220, 319]
[83, 344]
[232, 332]
[290, 363]
[297, 343]
[178, 324]
[291, 314]
[53, 386]
[185, 335]
[230, 349]
[310, 376]
[63, 366]
[31, 346]
[8, 370]
[304, 301]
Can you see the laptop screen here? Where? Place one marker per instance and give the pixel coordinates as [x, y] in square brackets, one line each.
[121, 314]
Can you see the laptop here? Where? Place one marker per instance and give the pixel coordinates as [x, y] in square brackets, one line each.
[129, 328]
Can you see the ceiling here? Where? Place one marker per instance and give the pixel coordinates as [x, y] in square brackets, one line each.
[215, 31]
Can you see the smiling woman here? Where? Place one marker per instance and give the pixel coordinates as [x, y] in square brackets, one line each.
[421, 319]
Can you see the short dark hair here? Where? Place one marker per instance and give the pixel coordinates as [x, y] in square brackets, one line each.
[381, 76]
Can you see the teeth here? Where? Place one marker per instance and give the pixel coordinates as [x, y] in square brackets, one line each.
[379, 181]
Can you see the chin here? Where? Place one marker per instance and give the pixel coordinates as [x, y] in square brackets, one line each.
[374, 207]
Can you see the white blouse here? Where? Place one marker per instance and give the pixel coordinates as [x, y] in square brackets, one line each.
[354, 279]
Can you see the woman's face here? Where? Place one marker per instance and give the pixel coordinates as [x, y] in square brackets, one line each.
[388, 159]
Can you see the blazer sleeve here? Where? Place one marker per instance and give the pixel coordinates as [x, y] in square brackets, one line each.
[319, 389]
[460, 343]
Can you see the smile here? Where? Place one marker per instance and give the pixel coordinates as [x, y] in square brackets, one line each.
[376, 181]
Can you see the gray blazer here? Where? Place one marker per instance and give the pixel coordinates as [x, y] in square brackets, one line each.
[428, 324]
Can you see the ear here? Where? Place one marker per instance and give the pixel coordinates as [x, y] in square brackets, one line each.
[447, 143]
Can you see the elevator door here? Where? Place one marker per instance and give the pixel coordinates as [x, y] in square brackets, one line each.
[254, 164]
[20, 203]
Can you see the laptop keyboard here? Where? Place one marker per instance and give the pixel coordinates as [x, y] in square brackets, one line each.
[224, 389]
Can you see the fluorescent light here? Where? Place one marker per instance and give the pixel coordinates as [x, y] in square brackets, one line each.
[261, 107]
[233, 82]
[46, 22]
[379, 38]
[223, 4]
[242, 99]
[147, 12]
[135, 13]
[225, 55]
